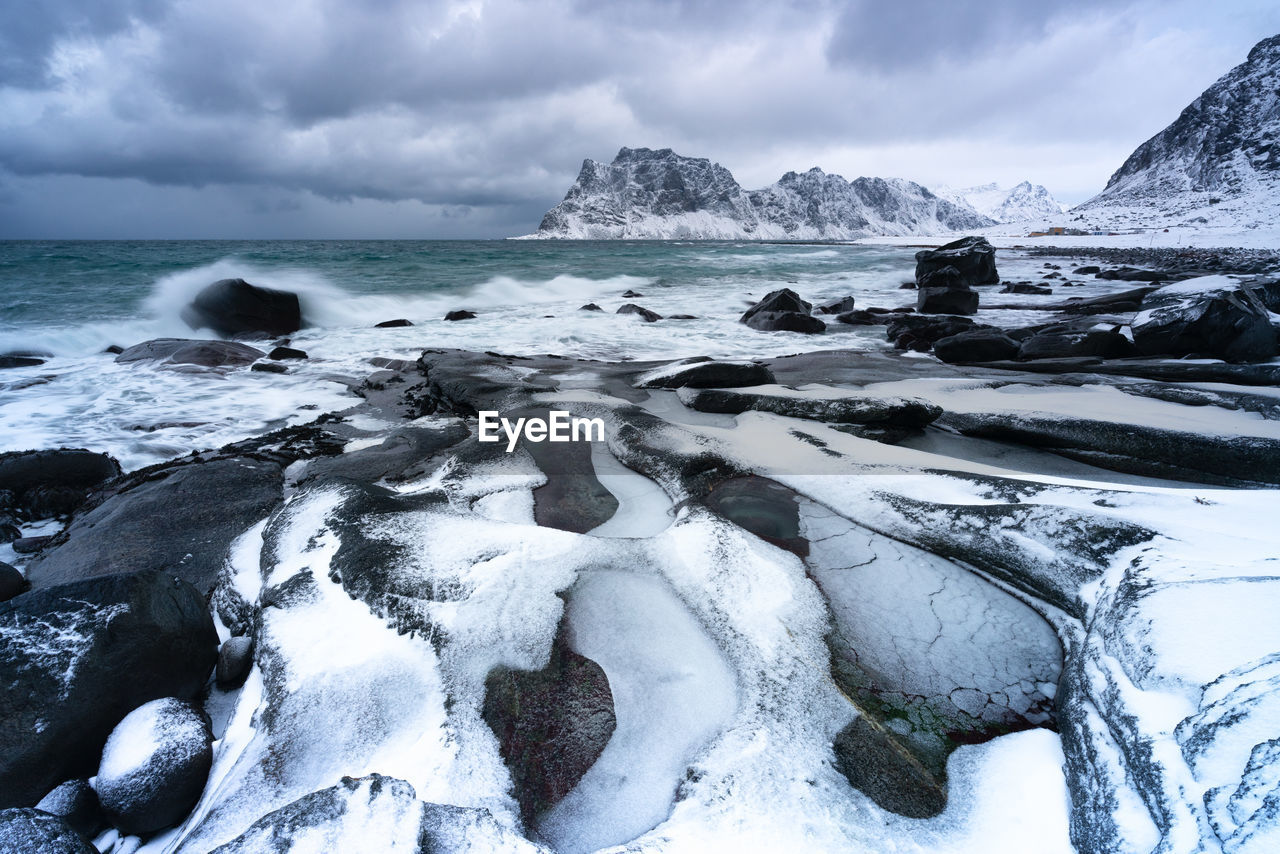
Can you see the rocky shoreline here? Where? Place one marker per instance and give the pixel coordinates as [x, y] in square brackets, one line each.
[879, 565]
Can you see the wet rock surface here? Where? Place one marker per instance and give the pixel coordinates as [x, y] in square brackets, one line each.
[77, 658]
[233, 306]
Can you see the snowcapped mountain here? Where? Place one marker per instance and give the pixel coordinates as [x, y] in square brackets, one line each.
[1218, 164]
[647, 194]
[1022, 202]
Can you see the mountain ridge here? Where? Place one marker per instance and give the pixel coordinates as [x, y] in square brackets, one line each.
[658, 194]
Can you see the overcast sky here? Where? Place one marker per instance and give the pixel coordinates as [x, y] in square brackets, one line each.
[395, 118]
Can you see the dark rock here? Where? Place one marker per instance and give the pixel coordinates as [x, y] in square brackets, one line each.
[10, 361]
[630, 294]
[919, 332]
[884, 771]
[75, 659]
[460, 314]
[1132, 274]
[182, 351]
[234, 307]
[946, 301]
[551, 724]
[1230, 322]
[712, 375]
[286, 353]
[983, 345]
[30, 831]
[973, 258]
[392, 324]
[682, 317]
[862, 317]
[180, 519]
[1117, 303]
[1067, 340]
[154, 766]
[645, 314]
[12, 582]
[943, 277]
[235, 659]
[840, 306]
[907, 286]
[1087, 270]
[30, 545]
[782, 300]
[785, 321]
[867, 409]
[76, 803]
[269, 368]
[1024, 288]
[114, 349]
[53, 482]
[590, 307]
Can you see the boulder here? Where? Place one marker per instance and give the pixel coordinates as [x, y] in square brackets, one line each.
[53, 482]
[154, 766]
[235, 659]
[270, 368]
[946, 301]
[16, 361]
[590, 307]
[1122, 302]
[973, 258]
[76, 803]
[916, 332]
[707, 375]
[235, 307]
[30, 545]
[75, 659]
[393, 324]
[179, 518]
[1133, 274]
[286, 353]
[983, 345]
[460, 314]
[943, 277]
[840, 306]
[551, 724]
[785, 321]
[12, 582]
[644, 313]
[1068, 340]
[783, 300]
[30, 831]
[1211, 316]
[1088, 270]
[183, 351]
[630, 294]
[1026, 288]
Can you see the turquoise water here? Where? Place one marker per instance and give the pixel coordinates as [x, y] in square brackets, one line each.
[45, 283]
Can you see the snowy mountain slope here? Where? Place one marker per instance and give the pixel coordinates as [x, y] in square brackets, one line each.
[647, 194]
[1217, 164]
[1021, 202]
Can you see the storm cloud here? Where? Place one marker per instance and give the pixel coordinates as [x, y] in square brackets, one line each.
[394, 118]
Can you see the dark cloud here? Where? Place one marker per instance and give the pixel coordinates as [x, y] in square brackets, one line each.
[473, 113]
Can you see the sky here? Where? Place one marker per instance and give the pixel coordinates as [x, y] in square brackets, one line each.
[191, 119]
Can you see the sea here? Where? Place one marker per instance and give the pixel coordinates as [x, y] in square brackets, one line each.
[66, 302]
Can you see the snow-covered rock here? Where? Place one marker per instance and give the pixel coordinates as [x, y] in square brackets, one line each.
[1018, 203]
[647, 194]
[1215, 316]
[31, 831]
[154, 766]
